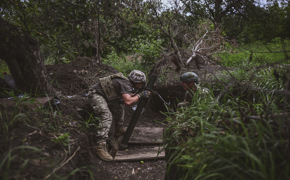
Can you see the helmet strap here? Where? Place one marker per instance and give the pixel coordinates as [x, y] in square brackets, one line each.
[133, 84]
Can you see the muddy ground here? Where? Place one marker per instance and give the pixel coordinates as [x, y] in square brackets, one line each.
[38, 128]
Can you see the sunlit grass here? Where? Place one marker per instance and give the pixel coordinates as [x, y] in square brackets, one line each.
[243, 56]
[122, 64]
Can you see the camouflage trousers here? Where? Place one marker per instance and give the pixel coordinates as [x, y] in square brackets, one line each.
[106, 112]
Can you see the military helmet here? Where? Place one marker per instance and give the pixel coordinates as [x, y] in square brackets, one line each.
[137, 76]
[189, 77]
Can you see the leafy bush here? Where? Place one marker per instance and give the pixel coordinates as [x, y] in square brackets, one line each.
[150, 52]
[208, 140]
[148, 48]
[122, 64]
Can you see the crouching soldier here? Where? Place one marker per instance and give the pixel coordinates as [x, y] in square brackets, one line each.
[105, 98]
[189, 82]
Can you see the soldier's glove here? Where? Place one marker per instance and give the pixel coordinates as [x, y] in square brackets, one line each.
[144, 94]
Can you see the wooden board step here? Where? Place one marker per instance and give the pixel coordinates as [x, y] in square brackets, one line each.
[140, 154]
[146, 135]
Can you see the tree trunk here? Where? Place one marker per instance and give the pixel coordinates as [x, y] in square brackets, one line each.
[217, 14]
[177, 51]
[22, 55]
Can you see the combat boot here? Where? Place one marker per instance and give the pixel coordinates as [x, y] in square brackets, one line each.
[119, 130]
[102, 152]
[113, 143]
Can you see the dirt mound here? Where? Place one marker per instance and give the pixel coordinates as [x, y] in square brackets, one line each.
[77, 76]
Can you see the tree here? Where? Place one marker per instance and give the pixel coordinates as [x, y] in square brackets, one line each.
[200, 38]
[259, 23]
[23, 57]
[25, 24]
[61, 27]
[216, 10]
[167, 21]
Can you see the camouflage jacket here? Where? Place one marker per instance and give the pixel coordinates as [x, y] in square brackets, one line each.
[189, 95]
[199, 90]
[108, 87]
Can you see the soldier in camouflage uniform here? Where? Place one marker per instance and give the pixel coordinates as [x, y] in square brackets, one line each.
[105, 98]
[189, 82]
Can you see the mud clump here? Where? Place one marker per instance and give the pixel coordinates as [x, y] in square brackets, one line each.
[77, 76]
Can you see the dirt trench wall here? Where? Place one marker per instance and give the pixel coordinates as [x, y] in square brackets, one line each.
[76, 77]
[171, 94]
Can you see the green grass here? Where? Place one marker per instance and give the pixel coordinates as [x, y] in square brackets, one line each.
[236, 137]
[209, 140]
[241, 57]
[3, 68]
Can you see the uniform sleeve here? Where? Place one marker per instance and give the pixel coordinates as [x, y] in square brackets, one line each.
[125, 87]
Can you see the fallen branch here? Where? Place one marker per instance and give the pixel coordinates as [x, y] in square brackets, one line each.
[206, 43]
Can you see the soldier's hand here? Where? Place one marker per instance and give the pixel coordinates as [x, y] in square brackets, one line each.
[144, 94]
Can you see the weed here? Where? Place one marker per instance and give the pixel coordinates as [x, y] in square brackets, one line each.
[7, 159]
[208, 140]
[62, 139]
[89, 124]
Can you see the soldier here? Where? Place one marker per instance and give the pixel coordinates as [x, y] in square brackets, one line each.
[105, 98]
[189, 82]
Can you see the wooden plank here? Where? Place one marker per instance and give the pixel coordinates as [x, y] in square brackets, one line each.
[146, 135]
[140, 154]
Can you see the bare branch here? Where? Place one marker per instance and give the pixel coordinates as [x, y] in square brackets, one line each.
[191, 57]
[201, 39]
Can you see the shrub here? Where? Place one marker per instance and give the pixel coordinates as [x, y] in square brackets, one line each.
[210, 140]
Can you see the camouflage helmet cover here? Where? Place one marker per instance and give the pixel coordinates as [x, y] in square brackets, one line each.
[189, 77]
[137, 76]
